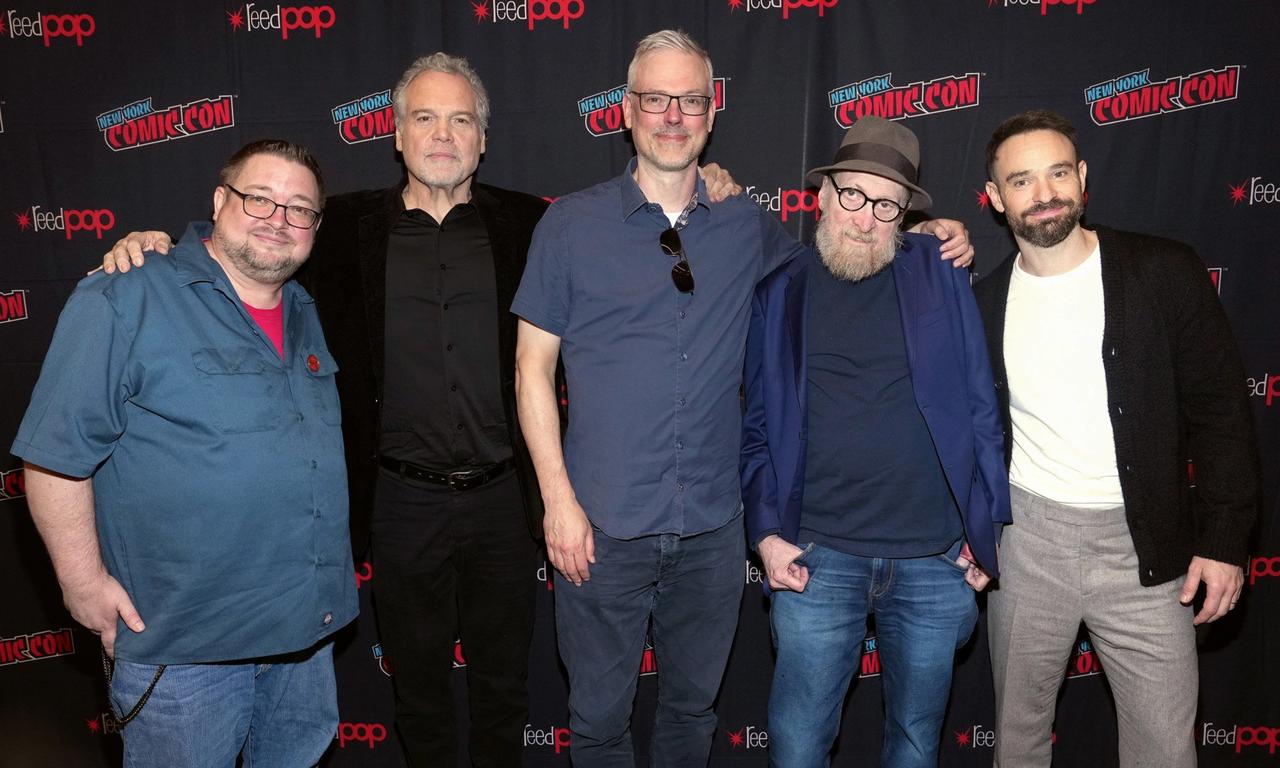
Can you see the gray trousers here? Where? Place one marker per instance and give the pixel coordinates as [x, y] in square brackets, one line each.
[1060, 566]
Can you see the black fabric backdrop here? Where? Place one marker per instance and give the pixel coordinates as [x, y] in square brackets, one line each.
[116, 117]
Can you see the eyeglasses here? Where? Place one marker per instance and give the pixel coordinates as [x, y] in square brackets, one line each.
[852, 199]
[260, 207]
[680, 273]
[657, 103]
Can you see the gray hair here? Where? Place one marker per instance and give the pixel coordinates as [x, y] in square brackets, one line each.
[449, 65]
[669, 40]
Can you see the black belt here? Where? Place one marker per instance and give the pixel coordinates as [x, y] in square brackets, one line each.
[460, 480]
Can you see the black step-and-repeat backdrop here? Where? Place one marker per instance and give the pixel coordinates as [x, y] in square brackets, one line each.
[116, 117]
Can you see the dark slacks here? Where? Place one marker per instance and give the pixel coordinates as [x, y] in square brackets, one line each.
[450, 564]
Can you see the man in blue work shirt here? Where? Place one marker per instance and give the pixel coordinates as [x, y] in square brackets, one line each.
[184, 466]
[645, 289]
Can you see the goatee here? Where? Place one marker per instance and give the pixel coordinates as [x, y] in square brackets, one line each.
[1048, 233]
[851, 255]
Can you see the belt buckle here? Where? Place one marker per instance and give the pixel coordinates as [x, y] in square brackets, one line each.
[461, 481]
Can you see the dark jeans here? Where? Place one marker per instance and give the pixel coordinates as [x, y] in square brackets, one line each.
[692, 587]
[449, 564]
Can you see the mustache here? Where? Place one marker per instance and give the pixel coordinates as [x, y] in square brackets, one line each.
[1049, 205]
[681, 132]
[282, 233]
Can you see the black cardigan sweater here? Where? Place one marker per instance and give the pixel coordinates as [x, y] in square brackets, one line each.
[1175, 392]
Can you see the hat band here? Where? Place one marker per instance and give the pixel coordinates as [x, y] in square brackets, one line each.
[879, 153]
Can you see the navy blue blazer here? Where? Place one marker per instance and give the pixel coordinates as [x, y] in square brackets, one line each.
[950, 374]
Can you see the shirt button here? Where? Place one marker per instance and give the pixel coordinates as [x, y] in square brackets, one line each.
[680, 487]
[453, 388]
[681, 401]
[444, 267]
[1112, 352]
[314, 464]
[448, 347]
[681, 314]
[459, 427]
[445, 307]
[679, 446]
[683, 356]
[301, 417]
[328, 618]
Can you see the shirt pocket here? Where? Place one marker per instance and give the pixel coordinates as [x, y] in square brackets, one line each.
[241, 393]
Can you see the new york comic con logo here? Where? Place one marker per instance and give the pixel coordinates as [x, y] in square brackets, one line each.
[140, 124]
[1135, 95]
[49, 26]
[1084, 661]
[602, 112]
[283, 19]
[13, 307]
[366, 118]
[37, 645]
[528, 12]
[880, 97]
[786, 6]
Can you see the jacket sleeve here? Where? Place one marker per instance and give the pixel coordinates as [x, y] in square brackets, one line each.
[759, 481]
[991, 478]
[1214, 407]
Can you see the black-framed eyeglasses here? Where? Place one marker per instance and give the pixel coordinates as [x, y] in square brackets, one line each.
[851, 199]
[260, 207]
[680, 273]
[656, 103]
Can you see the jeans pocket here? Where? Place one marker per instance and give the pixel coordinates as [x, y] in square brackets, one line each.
[949, 557]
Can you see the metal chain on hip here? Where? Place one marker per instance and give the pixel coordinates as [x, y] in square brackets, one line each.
[108, 668]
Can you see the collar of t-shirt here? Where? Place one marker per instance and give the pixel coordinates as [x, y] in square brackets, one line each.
[271, 321]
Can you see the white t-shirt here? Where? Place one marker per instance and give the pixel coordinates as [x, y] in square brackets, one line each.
[1063, 448]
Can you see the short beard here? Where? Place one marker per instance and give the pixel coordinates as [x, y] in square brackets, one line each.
[252, 264]
[853, 261]
[1046, 234]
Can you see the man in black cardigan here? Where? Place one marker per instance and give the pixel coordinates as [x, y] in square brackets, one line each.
[1114, 364]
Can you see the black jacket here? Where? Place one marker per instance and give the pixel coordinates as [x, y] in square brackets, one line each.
[347, 276]
[1174, 391]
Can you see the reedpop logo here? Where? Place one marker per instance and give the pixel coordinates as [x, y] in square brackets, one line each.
[786, 6]
[66, 220]
[283, 19]
[1044, 4]
[363, 733]
[749, 737]
[48, 26]
[529, 11]
[1253, 191]
[553, 736]
[1240, 736]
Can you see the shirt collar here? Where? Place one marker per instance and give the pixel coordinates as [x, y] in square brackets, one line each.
[633, 198]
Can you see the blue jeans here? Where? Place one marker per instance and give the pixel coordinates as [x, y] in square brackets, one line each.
[692, 587]
[276, 713]
[924, 611]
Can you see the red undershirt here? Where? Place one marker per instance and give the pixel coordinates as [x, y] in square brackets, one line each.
[271, 321]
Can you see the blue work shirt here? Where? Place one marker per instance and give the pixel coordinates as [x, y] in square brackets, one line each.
[653, 374]
[218, 474]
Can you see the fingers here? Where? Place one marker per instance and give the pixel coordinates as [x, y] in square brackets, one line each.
[1191, 583]
[792, 578]
[108, 638]
[129, 615]
[572, 561]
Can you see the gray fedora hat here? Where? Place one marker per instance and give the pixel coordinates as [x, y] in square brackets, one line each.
[883, 148]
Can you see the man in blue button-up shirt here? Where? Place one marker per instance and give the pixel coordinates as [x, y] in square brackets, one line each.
[185, 468]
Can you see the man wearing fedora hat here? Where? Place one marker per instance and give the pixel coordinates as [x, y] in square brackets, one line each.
[872, 458]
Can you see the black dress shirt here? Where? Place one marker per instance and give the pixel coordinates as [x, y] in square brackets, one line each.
[442, 404]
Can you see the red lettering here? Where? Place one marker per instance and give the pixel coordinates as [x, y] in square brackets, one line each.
[560, 739]
[602, 122]
[77, 25]
[371, 733]
[1263, 567]
[797, 201]
[1079, 4]
[821, 5]
[1273, 388]
[89, 221]
[13, 306]
[1257, 736]
[555, 10]
[318, 18]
